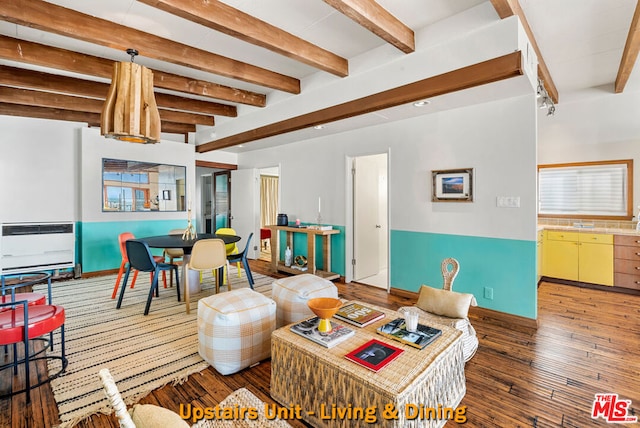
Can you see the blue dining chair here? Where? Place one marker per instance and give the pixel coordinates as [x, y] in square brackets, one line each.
[140, 258]
[242, 258]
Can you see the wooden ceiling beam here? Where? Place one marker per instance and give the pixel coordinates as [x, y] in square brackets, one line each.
[506, 8]
[219, 165]
[176, 128]
[29, 79]
[378, 20]
[630, 52]
[55, 19]
[9, 109]
[62, 59]
[90, 105]
[168, 101]
[92, 119]
[221, 17]
[474, 75]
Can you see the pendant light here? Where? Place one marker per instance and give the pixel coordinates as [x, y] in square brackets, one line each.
[130, 112]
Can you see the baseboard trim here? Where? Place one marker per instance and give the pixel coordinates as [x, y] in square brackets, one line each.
[486, 315]
[502, 319]
[99, 273]
[404, 293]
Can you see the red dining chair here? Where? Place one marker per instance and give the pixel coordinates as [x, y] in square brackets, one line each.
[122, 238]
[20, 323]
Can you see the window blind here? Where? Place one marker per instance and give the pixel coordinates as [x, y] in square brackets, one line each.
[583, 190]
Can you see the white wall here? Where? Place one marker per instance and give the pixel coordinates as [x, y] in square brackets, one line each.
[38, 175]
[497, 139]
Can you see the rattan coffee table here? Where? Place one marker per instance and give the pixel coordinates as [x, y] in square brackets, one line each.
[324, 384]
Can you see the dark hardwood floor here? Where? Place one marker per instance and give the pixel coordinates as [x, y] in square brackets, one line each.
[588, 342]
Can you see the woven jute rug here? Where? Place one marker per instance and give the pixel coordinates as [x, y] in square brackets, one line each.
[244, 399]
[143, 353]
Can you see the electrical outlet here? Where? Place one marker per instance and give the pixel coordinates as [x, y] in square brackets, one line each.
[488, 293]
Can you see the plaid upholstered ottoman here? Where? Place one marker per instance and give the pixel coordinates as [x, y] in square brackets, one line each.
[234, 329]
[291, 295]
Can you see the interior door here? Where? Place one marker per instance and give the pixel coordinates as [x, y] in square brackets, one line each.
[206, 202]
[366, 246]
[245, 207]
[221, 194]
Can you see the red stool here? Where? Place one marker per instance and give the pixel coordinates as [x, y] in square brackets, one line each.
[20, 322]
[9, 283]
[31, 298]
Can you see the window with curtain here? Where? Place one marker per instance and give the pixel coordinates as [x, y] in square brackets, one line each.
[586, 190]
[268, 200]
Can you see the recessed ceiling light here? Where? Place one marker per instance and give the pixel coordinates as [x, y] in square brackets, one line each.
[318, 127]
[240, 145]
[421, 103]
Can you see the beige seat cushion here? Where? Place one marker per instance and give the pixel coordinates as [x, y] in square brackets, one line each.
[444, 302]
[148, 415]
[234, 329]
[291, 295]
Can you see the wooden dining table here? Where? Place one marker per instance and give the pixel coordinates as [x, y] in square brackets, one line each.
[176, 241]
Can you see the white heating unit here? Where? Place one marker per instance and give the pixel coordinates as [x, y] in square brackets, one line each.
[29, 247]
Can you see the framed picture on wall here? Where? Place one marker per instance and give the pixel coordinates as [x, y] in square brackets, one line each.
[452, 185]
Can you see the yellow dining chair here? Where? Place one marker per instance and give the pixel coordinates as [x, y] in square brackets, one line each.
[207, 254]
[231, 248]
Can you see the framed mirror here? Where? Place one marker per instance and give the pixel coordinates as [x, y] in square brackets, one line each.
[129, 186]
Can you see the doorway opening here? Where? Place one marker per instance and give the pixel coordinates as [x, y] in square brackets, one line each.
[370, 220]
[215, 200]
[269, 198]
[222, 200]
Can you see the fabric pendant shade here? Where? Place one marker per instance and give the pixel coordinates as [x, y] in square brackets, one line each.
[130, 112]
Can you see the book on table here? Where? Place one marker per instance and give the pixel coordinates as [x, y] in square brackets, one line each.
[374, 354]
[420, 338]
[309, 329]
[357, 314]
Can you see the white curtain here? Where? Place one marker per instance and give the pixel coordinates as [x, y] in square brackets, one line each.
[268, 200]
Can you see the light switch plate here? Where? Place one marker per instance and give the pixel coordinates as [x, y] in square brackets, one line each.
[508, 201]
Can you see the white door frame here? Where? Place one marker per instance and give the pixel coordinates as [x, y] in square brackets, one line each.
[348, 250]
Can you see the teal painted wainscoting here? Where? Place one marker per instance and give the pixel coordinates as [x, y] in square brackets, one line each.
[300, 248]
[508, 266]
[98, 241]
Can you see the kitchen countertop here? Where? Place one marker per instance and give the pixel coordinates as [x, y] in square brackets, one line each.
[608, 230]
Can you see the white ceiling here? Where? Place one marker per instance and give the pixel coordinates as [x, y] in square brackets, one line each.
[580, 40]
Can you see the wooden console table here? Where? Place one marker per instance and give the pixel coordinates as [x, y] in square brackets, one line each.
[278, 265]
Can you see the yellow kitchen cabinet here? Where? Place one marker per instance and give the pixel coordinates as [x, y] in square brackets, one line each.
[540, 252]
[595, 258]
[579, 256]
[560, 255]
